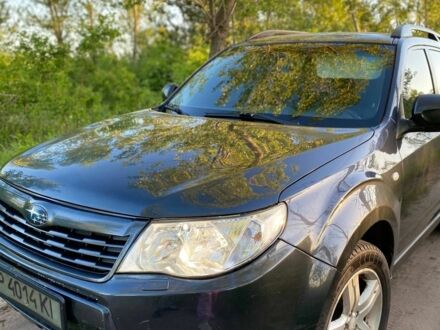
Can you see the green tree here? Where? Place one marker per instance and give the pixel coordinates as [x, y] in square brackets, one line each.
[393, 12]
[4, 12]
[428, 13]
[213, 18]
[53, 18]
[98, 31]
[135, 13]
[253, 16]
[91, 71]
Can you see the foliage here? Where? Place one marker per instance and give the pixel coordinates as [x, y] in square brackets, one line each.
[45, 91]
[67, 63]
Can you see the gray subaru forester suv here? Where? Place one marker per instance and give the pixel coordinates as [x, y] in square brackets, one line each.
[277, 188]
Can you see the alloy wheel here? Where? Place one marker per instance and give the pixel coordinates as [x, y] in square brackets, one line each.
[359, 306]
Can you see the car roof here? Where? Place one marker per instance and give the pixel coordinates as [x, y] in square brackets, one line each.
[401, 32]
[278, 36]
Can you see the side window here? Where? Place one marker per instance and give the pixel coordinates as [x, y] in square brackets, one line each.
[417, 79]
[434, 57]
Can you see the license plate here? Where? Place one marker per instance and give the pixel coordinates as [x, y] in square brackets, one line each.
[42, 306]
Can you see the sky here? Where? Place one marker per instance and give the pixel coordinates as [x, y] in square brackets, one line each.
[18, 3]
[18, 7]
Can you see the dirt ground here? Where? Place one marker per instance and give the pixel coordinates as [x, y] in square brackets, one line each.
[415, 296]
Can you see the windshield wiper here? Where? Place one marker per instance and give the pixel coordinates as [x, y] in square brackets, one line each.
[173, 108]
[245, 116]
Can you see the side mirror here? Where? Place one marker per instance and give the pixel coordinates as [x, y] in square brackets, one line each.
[426, 111]
[168, 89]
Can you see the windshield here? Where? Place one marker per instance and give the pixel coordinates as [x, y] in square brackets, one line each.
[337, 85]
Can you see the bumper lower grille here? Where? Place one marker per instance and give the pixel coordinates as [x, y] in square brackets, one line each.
[85, 251]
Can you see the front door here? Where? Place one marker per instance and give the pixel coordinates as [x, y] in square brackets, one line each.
[420, 152]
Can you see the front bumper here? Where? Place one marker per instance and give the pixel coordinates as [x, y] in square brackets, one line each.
[283, 289]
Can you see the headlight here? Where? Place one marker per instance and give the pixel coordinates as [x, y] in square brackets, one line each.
[194, 248]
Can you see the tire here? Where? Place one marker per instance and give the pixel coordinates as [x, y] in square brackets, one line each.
[367, 304]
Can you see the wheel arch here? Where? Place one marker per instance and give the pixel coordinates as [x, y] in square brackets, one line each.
[381, 235]
[339, 219]
[377, 231]
[374, 220]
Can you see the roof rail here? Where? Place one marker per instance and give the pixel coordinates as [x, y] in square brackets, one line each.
[273, 33]
[406, 30]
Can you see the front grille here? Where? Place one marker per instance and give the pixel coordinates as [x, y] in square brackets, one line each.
[84, 251]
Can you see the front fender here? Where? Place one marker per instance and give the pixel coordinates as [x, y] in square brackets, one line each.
[327, 219]
[366, 205]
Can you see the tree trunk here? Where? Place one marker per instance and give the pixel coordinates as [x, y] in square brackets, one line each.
[89, 8]
[426, 13]
[355, 22]
[136, 28]
[57, 21]
[58, 11]
[4, 12]
[134, 12]
[219, 25]
[352, 8]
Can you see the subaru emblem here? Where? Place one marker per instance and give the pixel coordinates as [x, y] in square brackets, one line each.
[36, 215]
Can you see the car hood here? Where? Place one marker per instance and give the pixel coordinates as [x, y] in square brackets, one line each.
[154, 165]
